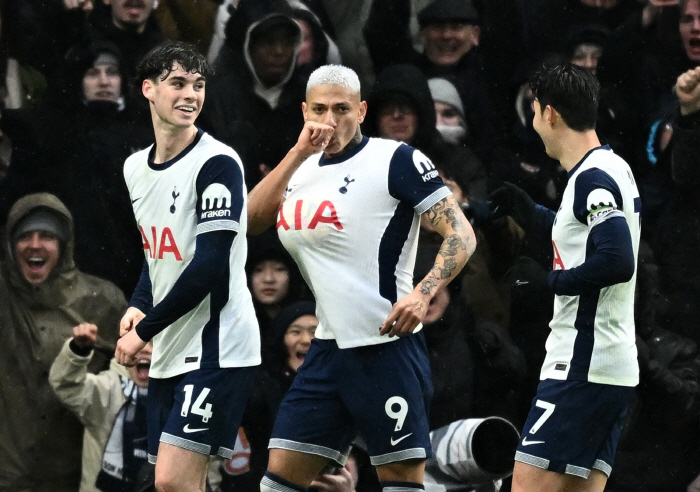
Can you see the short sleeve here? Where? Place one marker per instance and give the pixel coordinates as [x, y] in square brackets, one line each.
[414, 179]
[220, 193]
[597, 197]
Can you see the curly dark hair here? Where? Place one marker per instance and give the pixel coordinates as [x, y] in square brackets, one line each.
[163, 59]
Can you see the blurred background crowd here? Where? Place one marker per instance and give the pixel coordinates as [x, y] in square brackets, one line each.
[448, 77]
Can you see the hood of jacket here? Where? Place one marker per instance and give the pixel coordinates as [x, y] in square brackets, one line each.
[321, 41]
[407, 81]
[248, 17]
[51, 292]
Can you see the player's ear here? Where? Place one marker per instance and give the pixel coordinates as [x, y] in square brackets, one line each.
[147, 89]
[363, 112]
[303, 110]
[550, 114]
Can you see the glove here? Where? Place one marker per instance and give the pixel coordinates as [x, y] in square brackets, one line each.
[511, 200]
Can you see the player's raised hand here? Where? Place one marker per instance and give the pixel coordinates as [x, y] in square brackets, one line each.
[130, 319]
[128, 347]
[314, 138]
[85, 335]
[688, 91]
[406, 315]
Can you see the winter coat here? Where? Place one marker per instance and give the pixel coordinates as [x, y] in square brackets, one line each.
[388, 39]
[94, 398]
[78, 154]
[40, 440]
[239, 110]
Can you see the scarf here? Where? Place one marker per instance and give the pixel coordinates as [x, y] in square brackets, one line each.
[127, 447]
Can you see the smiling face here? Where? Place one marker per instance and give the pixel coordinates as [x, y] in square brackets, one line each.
[338, 107]
[270, 282]
[36, 254]
[102, 83]
[298, 338]
[445, 43]
[689, 27]
[177, 100]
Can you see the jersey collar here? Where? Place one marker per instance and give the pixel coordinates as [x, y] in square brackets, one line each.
[165, 165]
[602, 147]
[337, 160]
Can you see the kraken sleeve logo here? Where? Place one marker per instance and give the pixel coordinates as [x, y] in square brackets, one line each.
[216, 201]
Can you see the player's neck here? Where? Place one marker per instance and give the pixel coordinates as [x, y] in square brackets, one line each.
[171, 141]
[574, 146]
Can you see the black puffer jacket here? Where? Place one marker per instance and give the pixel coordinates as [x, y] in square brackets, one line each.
[236, 113]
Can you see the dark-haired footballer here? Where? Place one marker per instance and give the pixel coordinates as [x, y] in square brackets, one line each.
[570, 436]
[189, 199]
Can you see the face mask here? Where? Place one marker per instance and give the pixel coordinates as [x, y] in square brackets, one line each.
[452, 134]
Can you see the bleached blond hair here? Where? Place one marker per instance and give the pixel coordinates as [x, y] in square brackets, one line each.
[334, 75]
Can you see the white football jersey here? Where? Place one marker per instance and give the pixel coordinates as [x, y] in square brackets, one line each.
[351, 223]
[170, 210]
[593, 335]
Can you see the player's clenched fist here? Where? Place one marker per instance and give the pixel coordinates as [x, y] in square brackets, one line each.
[314, 137]
[130, 319]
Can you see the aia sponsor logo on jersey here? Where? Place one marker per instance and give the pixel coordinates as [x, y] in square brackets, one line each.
[160, 243]
[325, 213]
[216, 201]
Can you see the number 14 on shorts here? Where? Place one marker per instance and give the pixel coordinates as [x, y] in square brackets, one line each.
[198, 408]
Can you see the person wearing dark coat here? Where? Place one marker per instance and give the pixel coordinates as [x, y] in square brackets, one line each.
[400, 107]
[43, 296]
[547, 22]
[77, 152]
[254, 102]
[450, 32]
[131, 26]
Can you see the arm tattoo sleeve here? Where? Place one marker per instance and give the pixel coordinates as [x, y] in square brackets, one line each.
[454, 243]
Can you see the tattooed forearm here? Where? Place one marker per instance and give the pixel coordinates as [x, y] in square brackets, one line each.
[443, 210]
[448, 266]
[427, 286]
[456, 248]
[435, 212]
[451, 245]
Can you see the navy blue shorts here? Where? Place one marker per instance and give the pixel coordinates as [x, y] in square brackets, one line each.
[381, 392]
[199, 410]
[574, 426]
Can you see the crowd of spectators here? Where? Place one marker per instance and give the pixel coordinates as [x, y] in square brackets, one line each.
[448, 77]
